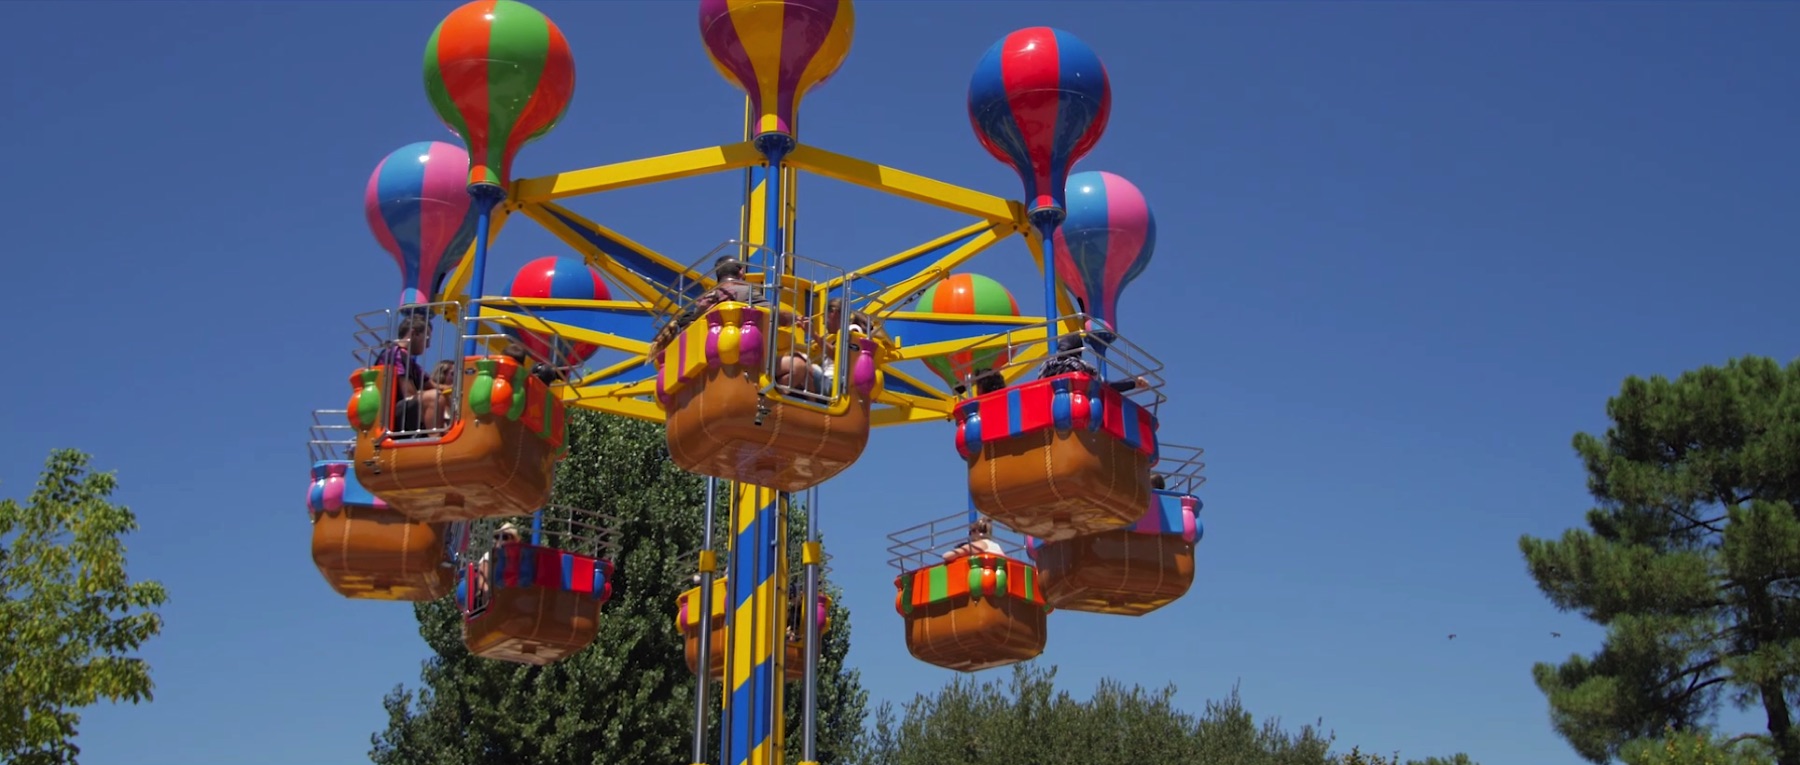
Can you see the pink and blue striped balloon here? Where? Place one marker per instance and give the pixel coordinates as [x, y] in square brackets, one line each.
[1105, 242]
[419, 209]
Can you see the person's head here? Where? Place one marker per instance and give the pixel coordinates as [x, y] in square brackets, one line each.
[1068, 344]
[1158, 482]
[981, 529]
[728, 268]
[988, 381]
[444, 372]
[414, 333]
[544, 373]
[516, 352]
[508, 532]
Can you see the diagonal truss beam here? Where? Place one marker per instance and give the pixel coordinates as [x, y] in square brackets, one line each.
[637, 172]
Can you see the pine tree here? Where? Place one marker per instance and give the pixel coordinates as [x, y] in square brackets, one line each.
[629, 697]
[1690, 560]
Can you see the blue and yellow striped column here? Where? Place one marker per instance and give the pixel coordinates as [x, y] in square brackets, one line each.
[755, 638]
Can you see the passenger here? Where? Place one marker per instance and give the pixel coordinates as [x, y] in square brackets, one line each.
[981, 540]
[543, 372]
[794, 370]
[484, 568]
[443, 379]
[988, 381]
[859, 324]
[1158, 483]
[414, 397]
[1068, 360]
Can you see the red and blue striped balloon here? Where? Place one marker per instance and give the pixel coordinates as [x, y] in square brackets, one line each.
[1039, 101]
[1105, 242]
[563, 278]
[417, 203]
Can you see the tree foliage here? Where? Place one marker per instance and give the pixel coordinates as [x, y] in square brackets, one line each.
[628, 698]
[1691, 560]
[1024, 719]
[70, 616]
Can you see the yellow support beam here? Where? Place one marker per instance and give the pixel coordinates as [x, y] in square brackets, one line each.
[646, 290]
[1017, 337]
[636, 172]
[938, 270]
[911, 253]
[909, 186]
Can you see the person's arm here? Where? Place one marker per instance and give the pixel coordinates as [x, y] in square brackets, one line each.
[1127, 386]
[400, 365]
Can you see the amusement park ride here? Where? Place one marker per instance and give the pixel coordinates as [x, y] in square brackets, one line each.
[435, 480]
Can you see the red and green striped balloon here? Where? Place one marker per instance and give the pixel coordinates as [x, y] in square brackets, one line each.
[499, 74]
[969, 295]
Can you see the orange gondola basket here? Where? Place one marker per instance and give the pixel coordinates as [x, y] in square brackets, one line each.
[365, 549]
[973, 612]
[687, 620]
[1058, 457]
[532, 604]
[1130, 571]
[497, 457]
[711, 379]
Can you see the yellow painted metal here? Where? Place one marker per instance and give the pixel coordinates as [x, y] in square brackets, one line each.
[904, 184]
[812, 553]
[708, 562]
[911, 253]
[939, 269]
[646, 290]
[636, 172]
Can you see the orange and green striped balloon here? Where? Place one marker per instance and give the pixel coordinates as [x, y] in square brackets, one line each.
[969, 295]
[499, 74]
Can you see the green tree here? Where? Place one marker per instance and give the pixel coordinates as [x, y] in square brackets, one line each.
[1690, 560]
[1024, 719]
[629, 698]
[69, 615]
[1696, 747]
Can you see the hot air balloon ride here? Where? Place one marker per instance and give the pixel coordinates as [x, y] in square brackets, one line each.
[362, 547]
[968, 294]
[1105, 242]
[531, 588]
[556, 278]
[481, 441]
[1137, 569]
[688, 621]
[969, 596]
[500, 75]
[767, 368]
[1039, 101]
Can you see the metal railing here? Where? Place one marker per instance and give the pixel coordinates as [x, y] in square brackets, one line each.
[925, 545]
[1180, 467]
[1102, 351]
[558, 527]
[805, 352]
[331, 437]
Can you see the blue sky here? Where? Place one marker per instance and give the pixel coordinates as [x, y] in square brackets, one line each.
[1405, 252]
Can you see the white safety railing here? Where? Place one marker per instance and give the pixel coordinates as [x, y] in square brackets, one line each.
[1179, 467]
[330, 437]
[1130, 369]
[935, 541]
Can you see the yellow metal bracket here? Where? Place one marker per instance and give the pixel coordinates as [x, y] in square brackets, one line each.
[812, 553]
[708, 563]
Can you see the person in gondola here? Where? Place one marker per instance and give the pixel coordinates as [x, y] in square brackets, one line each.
[981, 540]
[1069, 360]
[415, 398]
[794, 370]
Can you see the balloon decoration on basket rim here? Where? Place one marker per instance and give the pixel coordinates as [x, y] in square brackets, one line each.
[1105, 242]
[420, 212]
[561, 278]
[1039, 100]
[500, 74]
[968, 294]
[776, 51]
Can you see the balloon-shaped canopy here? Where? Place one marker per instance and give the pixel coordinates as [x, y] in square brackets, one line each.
[1105, 242]
[970, 295]
[1039, 101]
[562, 278]
[776, 50]
[419, 210]
[499, 74]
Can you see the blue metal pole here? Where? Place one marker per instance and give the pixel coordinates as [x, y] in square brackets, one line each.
[1046, 226]
[486, 197]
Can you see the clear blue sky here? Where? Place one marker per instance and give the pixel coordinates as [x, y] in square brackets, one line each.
[1405, 252]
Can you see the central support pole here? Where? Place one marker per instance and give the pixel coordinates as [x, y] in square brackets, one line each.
[755, 628]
